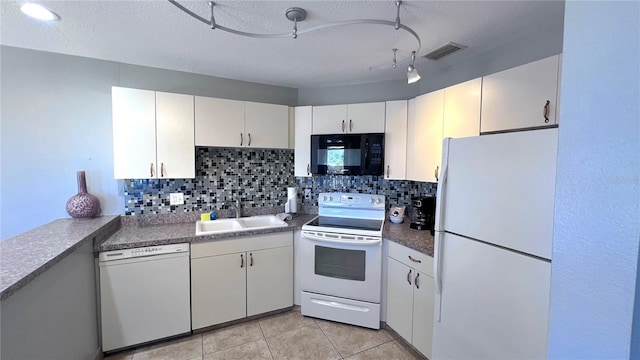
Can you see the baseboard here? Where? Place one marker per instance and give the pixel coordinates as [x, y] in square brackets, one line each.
[99, 354]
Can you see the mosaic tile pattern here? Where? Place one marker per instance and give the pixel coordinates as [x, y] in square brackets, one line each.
[257, 177]
[397, 192]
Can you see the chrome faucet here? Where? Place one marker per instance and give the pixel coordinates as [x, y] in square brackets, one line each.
[235, 207]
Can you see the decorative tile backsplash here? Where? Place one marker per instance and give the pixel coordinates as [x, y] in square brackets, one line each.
[397, 192]
[258, 178]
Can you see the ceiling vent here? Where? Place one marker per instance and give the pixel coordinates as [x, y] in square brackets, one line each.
[444, 50]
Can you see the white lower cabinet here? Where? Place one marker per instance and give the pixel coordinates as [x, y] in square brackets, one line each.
[240, 277]
[410, 296]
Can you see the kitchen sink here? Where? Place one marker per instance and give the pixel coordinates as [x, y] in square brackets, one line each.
[222, 226]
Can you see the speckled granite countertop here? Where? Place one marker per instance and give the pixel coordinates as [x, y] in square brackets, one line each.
[131, 236]
[404, 235]
[28, 255]
[152, 232]
[54, 241]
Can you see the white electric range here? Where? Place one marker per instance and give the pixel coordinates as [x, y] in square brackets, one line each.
[342, 259]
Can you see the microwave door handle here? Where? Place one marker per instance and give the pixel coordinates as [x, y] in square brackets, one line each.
[366, 154]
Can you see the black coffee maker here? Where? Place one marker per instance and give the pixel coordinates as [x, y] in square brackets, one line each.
[423, 213]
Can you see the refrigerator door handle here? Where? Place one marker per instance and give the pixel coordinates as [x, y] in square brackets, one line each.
[437, 271]
[440, 192]
[439, 228]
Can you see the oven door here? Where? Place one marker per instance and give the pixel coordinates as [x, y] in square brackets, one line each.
[345, 268]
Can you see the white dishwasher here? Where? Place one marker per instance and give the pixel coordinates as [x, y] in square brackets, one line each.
[144, 294]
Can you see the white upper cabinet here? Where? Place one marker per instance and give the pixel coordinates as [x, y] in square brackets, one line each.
[329, 119]
[366, 118]
[232, 123]
[395, 140]
[174, 136]
[219, 122]
[425, 137]
[462, 109]
[134, 133]
[152, 134]
[522, 97]
[302, 152]
[266, 125]
[352, 118]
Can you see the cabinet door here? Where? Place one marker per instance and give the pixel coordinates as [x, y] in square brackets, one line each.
[176, 151]
[269, 280]
[427, 146]
[400, 298]
[516, 98]
[462, 109]
[395, 140]
[302, 155]
[366, 118]
[330, 119]
[411, 138]
[218, 289]
[423, 297]
[266, 125]
[134, 133]
[219, 122]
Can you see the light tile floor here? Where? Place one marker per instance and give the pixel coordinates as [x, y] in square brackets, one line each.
[283, 336]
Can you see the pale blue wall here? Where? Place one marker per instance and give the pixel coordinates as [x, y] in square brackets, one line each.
[56, 119]
[597, 216]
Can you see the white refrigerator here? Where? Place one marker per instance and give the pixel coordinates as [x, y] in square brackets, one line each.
[492, 261]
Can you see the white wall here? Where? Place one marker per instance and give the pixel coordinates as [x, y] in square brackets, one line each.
[597, 216]
[56, 119]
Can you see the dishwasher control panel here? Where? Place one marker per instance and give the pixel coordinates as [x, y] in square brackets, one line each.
[143, 251]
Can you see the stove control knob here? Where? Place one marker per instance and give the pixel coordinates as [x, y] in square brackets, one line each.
[324, 198]
[330, 198]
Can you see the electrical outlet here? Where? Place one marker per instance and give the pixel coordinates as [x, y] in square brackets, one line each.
[176, 199]
[307, 193]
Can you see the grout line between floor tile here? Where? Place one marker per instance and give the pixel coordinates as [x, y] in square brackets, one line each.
[330, 342]
[354, 354]
[264, 337]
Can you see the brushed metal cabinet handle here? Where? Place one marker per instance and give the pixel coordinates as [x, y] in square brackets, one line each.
[161, 169]
[387, 171]
[414, 260]
[409, 277]
[241, 139]
[241, 261]
[151, 169]
[249, 143]
[437, 172]
[416, 280]
[350, 125]
[545, 112]
[342, 125]
[307, 169]
[250, 259]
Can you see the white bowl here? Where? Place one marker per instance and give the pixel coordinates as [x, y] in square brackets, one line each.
[396, 219]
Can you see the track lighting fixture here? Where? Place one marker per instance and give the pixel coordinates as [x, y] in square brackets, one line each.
[412, 73]
[297, 15]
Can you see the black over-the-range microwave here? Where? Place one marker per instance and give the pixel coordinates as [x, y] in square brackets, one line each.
[347, 154]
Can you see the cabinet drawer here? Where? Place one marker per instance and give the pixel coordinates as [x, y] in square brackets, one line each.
[241, 244]
[420, 262]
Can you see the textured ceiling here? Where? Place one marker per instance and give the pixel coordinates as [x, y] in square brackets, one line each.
[158, 34]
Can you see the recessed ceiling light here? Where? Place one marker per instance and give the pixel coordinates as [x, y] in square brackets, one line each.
[39, 12]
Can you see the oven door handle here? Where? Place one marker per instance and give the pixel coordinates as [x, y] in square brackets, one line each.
[338, 240]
